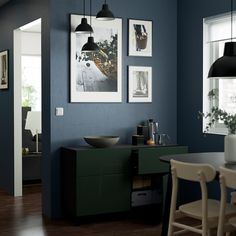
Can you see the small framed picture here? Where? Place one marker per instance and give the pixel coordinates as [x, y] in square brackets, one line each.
[140, 38]
[140, 84]
[4, 69]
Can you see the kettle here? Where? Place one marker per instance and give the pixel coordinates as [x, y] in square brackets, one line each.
[152, 131]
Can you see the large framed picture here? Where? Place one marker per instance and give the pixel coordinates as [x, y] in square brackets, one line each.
[96, 76]
[4, 69]
[140, 84]
[140, 38]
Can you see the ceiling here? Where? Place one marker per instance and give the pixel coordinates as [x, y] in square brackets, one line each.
[2, 2]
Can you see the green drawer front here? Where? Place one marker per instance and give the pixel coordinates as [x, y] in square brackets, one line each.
[103, 194]
[103, 161]
[149, 162]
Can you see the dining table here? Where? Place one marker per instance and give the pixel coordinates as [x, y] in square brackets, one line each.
[215, 159]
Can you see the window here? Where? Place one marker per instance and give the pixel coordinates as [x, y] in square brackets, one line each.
[31, 82]
[217, 31]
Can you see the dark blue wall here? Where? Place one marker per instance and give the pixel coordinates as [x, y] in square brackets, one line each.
[117, 119]
[120, 119]
[86, 119]
[190, 67]
[13, 15]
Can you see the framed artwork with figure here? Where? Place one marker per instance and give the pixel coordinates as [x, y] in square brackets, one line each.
[140, 38]
[96, 76]
[4, 69]
[140, 84]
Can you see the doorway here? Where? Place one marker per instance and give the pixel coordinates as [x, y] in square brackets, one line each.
[27, 104]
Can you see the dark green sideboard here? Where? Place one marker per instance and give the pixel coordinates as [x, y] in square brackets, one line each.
[98, 181]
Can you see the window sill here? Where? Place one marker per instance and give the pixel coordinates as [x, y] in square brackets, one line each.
[218, 131]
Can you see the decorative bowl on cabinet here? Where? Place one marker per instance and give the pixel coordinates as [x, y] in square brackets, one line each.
[101, 141]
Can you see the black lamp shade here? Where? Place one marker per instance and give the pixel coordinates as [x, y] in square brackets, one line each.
[105, 13]
[90, 46]
[225, 67]
[84, 27]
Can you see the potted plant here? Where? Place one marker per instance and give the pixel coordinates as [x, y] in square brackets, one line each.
[216, 114]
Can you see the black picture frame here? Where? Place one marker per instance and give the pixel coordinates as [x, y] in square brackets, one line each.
[4, 69]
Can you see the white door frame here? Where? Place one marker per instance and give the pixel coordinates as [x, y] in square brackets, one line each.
[17, 84]
[18, 185]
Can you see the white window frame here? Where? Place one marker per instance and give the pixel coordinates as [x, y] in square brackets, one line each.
[209, 84]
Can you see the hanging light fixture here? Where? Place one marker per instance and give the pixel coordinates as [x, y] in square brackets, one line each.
[225, 67]
[84, 27]
[90, 46]
[105, 13]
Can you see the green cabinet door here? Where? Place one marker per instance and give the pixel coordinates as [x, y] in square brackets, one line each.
[102, 161]
[148, 159]
[103, 194]
[116, 191]
[103, 181]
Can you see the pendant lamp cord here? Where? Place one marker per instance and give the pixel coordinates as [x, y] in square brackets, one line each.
[84, 8]
[232, 20]
[105, 1]
[90, 15]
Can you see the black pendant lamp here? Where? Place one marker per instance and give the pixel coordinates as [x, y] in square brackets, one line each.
[90, 46]
[105, 13]
[225, 67]
[84, 27]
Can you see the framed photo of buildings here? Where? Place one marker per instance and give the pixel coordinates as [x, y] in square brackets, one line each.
[4, 69]
[140, 38]
[96, 76]
[140, 84]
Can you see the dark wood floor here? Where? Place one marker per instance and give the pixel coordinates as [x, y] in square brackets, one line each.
[22, 216]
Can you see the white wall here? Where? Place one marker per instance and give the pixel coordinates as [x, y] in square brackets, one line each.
[31, 43]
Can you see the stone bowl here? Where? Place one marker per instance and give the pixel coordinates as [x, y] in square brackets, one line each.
[101, 141]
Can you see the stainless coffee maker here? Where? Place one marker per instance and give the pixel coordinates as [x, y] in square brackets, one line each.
[152, 132]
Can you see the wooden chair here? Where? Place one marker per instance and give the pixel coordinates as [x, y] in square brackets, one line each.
[227, 220]
[206, 210]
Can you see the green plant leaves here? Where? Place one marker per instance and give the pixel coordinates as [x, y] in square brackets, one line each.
[216, 115]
